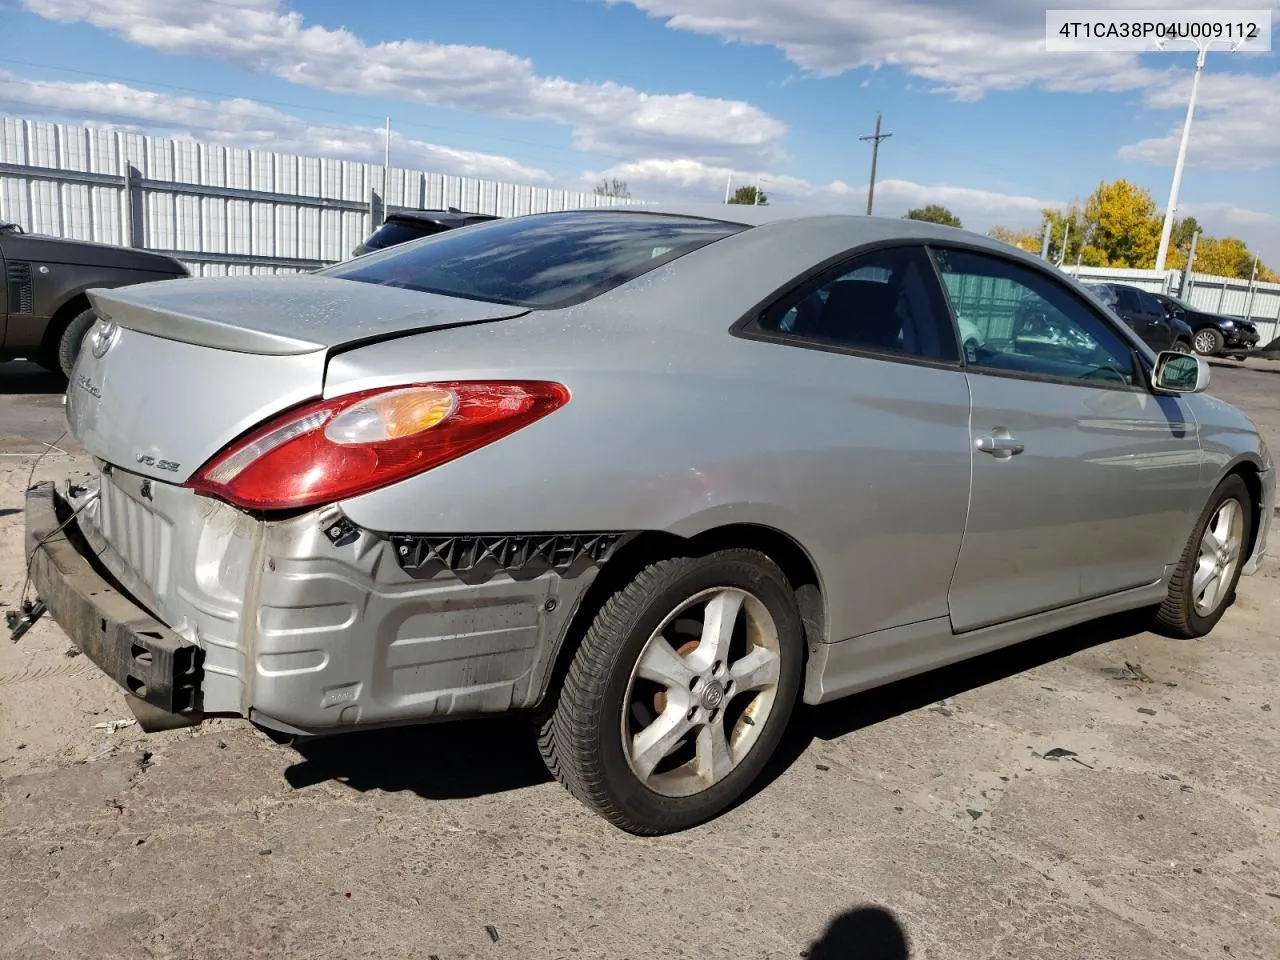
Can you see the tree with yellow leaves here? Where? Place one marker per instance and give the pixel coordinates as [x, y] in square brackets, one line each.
[1124, 230]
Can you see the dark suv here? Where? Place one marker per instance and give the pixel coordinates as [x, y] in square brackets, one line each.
[44, 313]
[1213, 334]
[402, 226]
[1145, 315]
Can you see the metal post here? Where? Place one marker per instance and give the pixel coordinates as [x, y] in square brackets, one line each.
[1184, 291]
[386, 172]
[1253, 276]
[1171, 208]
[728, 188]
[128, 204]
[1066, 236]
[875, 139]
[1044, 241]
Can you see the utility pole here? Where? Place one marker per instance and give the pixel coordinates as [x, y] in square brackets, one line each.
[1202, 48]
[1184, 290]
[875, 139]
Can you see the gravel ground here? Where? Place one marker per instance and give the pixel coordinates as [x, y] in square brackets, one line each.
[1098, 793]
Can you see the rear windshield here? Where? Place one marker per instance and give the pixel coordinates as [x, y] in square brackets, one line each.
[543, 262]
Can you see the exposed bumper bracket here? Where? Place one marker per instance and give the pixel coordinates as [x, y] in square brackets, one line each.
[136, 650]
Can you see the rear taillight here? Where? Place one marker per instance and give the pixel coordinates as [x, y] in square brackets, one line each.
[331, 450]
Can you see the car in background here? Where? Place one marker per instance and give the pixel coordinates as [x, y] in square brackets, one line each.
[44, 310]
[1145, 315]
[654, 476]
[402, 226]
[1213, 334]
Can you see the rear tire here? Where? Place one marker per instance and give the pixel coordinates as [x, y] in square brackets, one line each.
[1209, 342]
[71, 339]
[695, 657]
[1181, 346]
[1204, 584]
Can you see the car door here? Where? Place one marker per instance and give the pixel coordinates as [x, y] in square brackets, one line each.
[1159, 329]
[1082, 477]
[873, 348]
[1128, 307]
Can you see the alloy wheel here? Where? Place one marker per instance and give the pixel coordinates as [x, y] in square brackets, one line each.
[701, 691]
[1220, 550]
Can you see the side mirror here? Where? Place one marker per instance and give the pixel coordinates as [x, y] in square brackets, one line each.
[1180, 373]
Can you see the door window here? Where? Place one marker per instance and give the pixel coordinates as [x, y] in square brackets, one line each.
[884, 302]
[1031, 324]
[1150, 304]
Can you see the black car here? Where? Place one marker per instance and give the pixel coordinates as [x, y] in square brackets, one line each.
[405, 225]
[1145, 315]
[44, 313]
[1213, 334]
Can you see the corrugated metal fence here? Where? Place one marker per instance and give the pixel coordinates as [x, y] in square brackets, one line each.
[223, 209]
[234, 210]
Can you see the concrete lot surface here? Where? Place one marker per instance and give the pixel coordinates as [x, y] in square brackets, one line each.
[1097, 794]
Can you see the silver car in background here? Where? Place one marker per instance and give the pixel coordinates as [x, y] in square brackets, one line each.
[653, 476]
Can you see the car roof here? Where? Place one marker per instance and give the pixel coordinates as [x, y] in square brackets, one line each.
[859, 228]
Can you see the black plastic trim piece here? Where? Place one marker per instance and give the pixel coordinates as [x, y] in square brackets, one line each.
[478, 557]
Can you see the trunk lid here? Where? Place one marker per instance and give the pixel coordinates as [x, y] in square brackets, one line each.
[196, 363]
[285, 315]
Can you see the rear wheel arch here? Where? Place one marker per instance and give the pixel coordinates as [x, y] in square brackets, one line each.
[652, 546]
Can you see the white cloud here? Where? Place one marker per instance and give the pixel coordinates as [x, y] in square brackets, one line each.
[1236, 124]
[248, 124]
[606, 118]
[964, 49]
[660, 179]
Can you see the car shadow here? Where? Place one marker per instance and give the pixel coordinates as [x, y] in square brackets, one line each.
[19, 377]
[439, 761]
[473, 758]
[851, 714]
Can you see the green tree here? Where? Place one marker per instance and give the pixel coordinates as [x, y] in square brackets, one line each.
[934, 213]
[747, 195]
[613, 188]
[1067, 233]
[1122, 226]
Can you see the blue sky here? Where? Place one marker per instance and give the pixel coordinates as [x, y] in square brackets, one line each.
[674, 96]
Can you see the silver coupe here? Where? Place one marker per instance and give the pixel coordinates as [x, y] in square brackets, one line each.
[652, 476]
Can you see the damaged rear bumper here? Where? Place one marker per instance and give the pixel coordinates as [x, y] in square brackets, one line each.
[148, 660]
[305, 625]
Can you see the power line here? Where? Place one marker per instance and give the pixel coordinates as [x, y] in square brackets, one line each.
[875, 139]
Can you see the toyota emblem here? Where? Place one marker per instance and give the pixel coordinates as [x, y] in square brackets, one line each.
[103, 336]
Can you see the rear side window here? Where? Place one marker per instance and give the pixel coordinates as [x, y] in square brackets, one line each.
[543, 262]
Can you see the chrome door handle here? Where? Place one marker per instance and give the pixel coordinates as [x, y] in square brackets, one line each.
[1002, 447]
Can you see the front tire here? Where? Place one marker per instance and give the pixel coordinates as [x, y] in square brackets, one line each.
[1204, 584]
[1181, 346]
[1209, 342]
[680, 692]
